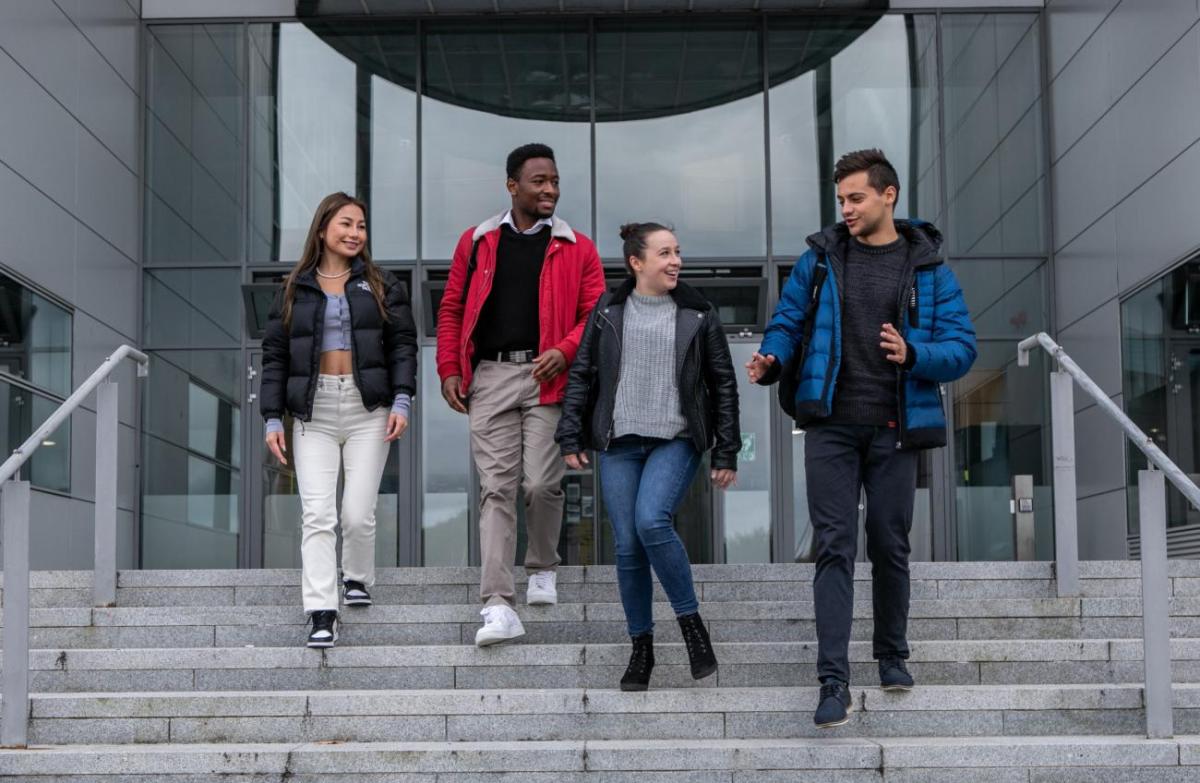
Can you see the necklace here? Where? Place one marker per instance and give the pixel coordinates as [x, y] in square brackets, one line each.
[343, 273]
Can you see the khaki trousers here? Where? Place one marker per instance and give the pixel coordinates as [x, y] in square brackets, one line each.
[512, 441]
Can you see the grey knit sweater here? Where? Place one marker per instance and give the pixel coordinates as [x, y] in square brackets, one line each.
[647, 392]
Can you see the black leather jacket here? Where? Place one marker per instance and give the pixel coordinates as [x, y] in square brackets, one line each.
[384, 352]
[703, 369]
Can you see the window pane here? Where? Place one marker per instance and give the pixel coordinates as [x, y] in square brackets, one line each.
[490, 88]
[844, 83]
[195, 87]
[189, 510]
[679, 134]
[748, 502]
[35, 338]
[1000, 410]
[20, 412]
[446, 473]
[994, 153]
[193, 307]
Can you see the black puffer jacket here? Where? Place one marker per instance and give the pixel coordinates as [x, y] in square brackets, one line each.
[703, 369]
[385, 353]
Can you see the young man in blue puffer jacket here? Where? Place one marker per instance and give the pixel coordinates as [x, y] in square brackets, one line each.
[868, 326]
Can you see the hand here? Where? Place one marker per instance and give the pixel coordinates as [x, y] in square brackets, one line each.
[397, 424]
[576, 461]
[724, 479]
[894, 344]
[277, 445]
[549, 365]
[758, 366]
[452, 394]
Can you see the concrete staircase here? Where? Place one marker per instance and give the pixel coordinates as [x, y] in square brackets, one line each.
[201, 675]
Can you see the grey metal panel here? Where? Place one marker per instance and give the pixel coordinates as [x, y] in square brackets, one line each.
[1102, 527]
[1086, 270]
[107, 195]
[106, 284]
[1083, 183]
[1156, 226]
[1159, 117]
[106, 105]
[112, 27]
[1094, 342]
[28, 213]
[36, 34]
[1069, 24]
[1081, 92]
[39, 140]
[1141, 32]
[92, 342]
[83, 456]
[1100, 453]
[185, 9]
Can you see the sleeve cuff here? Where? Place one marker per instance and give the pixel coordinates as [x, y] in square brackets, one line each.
[910, 355]
[402, 405]
[274, 425]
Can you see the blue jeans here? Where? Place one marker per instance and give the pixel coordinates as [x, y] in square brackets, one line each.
[644, 480]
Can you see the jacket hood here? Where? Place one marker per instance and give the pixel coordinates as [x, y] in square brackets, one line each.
[683, 294]
[558, 228]
[924, 240]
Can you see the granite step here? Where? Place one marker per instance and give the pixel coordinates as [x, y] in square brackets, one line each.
[757, 582]
[742, 664]
[1037, 759]
[498, 715]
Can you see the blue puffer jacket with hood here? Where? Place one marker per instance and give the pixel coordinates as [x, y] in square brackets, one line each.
[931, 313]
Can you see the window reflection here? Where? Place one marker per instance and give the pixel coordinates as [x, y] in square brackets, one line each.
[35, 338]
[192, 307]
[446, 473]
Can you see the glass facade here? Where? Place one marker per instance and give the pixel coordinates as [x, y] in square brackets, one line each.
[726, 127]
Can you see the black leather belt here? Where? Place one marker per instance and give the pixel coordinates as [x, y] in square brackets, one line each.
[515, 357]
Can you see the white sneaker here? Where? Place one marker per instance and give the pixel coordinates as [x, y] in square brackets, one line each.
[500, 623]
[541, 589]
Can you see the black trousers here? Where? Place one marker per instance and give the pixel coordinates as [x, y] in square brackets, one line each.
[839, 459]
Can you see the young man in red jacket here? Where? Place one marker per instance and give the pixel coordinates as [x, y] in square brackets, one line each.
[521, 287]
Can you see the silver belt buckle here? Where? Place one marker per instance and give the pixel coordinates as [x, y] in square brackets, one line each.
[520, 357]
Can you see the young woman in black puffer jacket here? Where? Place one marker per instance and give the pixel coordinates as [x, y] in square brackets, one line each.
[339, 355]
[651, 389]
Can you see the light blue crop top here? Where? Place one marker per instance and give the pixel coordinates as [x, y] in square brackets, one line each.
[336, 336]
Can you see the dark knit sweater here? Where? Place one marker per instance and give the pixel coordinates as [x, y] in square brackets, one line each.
[509, 318]
[866, 382]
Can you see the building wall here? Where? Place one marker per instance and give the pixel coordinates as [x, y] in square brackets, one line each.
[69, 169]
[1125, 154]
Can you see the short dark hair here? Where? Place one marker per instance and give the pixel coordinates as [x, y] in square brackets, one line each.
[880, 172]
[517, 158]
[634, 238]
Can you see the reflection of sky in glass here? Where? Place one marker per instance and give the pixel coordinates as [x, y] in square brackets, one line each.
[393, 221]
[701, 172]
[316, 131]
[463, 173]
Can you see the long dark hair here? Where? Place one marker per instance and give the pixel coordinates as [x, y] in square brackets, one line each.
[314, 248]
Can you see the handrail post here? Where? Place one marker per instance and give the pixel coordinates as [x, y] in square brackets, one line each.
[14, 515]
[1156, 615]
[1066, 529]
[104, 566]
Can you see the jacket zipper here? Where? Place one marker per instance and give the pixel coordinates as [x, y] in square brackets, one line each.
[620, 349]
[908, 285]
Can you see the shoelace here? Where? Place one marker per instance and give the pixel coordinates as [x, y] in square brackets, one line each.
[490, 614]
[639, 661]
[888, 664]
[831, 689]
[541, 581]
[693, 641]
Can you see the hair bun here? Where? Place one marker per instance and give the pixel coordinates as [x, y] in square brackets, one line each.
[629, 229]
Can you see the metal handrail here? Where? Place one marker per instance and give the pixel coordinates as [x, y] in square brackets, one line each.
[14, 513]
[1152, 527]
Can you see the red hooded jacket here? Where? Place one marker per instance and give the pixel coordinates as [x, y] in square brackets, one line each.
[572, 280]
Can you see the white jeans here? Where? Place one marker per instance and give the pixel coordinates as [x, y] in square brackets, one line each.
[341, 430]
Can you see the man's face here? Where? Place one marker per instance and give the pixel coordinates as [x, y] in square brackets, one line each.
[535, 190]
[864, 208]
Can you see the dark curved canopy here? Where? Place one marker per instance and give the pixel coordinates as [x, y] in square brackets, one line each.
[537, 67]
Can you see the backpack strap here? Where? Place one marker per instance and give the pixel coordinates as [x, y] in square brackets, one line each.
[472, 262]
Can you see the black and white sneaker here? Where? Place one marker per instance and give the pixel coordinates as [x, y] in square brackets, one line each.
[354, 594]
[324, 631]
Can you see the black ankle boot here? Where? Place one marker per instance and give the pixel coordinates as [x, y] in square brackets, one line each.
[641, 663]
[699, 647]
